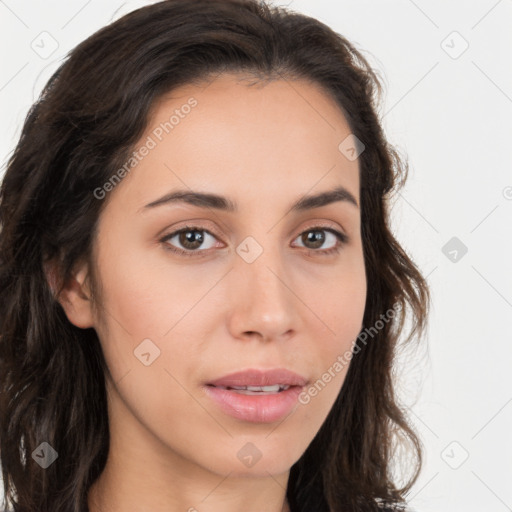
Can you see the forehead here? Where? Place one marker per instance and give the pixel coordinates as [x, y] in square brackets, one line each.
[240, 138]
[265, 106]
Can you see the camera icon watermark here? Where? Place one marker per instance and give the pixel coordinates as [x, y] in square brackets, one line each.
[454, 45]
[454, 249]
[249, 249]
[45, 455]
[351, 147]
[44, 45]
[146, 352]
[249, 455]
[455, 455]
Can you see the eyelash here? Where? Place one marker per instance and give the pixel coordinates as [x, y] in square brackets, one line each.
[342, 240]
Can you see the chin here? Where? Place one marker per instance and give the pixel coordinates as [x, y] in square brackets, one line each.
[256, 456]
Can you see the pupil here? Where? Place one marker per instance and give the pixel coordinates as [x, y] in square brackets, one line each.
[191, 239]
[316, 238]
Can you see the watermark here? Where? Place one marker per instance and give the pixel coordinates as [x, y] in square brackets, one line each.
[249, 249]
[351, 147]
[150, 143]
[507, 193]
[454, 249]
[146, 352]
[455, 455]
[45, 45]
[454, 44]
[343, 360]
[45, 455]
[249, 454]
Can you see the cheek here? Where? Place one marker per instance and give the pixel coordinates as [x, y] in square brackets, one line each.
[151, 305]
[336, 296]
[340, 303]
[146, 291]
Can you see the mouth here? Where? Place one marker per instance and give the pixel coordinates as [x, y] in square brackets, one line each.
[255, 390]
[260, 380]
[257, 396]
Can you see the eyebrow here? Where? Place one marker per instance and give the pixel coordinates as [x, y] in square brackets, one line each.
[217, 202]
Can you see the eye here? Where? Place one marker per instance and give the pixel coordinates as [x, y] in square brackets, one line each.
[316, 237]
[190, 239]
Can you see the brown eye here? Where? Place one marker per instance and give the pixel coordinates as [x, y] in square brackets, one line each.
[315, 238]
[189, 239]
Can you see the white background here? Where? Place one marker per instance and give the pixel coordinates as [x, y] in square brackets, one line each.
[451, 115]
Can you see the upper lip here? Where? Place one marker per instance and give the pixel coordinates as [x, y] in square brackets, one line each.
[255, 377]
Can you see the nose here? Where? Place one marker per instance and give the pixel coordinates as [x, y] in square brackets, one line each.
[264, 304]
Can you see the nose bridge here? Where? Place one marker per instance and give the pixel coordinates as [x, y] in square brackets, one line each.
[262, 302]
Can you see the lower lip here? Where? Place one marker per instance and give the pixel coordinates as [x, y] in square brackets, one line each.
[266, 408]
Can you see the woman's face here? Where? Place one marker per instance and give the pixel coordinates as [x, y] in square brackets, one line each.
[261, 286]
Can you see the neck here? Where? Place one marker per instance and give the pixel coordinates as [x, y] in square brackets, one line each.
[142, 473]
[143, 489]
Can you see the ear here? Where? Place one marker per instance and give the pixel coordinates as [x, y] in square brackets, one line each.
[75, 296]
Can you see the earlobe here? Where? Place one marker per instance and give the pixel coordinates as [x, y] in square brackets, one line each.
[74, 297]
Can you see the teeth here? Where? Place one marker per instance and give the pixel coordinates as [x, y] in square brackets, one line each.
[254, 390]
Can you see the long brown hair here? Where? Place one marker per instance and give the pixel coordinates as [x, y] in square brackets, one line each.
[78, 133]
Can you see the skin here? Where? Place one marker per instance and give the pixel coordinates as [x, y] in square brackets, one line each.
[264, 146]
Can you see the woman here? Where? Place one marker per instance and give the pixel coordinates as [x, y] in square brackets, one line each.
[202, 296]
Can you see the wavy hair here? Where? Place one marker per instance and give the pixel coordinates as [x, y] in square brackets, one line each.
[81, 129]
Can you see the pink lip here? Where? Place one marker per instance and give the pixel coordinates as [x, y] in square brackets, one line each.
[257, 409]
[255, 377]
